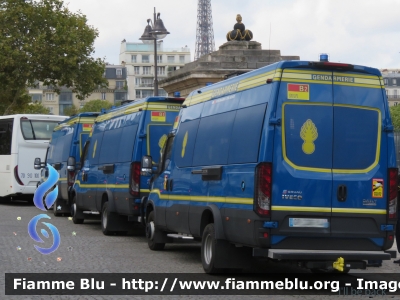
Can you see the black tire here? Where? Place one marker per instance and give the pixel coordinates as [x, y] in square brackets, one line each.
[74, 209]
[209, 249]
[150, 233]
[105, 220]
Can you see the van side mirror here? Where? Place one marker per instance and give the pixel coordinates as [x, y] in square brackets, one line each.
[147, 165]
[71, 164]
[37, 164]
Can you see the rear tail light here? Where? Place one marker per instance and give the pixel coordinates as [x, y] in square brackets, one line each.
[263, 189]
[17, 176]
[134, 183]
[392, 194]
[71, 178]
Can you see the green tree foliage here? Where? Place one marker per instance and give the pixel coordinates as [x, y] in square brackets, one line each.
[41, 40]
[95, 106]
[395, 113]
[70, 111]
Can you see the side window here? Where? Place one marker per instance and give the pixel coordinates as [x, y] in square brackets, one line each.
[6, 128]
[94, 148]
[126, 143]
[185, 141]
[66, 145]
[213, 138]
[108, 151]
[246, 134]
[167, 152]
[85, 152]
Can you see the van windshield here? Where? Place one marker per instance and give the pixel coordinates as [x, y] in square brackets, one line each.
[37, 129]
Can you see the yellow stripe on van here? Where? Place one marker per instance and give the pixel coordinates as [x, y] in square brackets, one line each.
[301, 208]
[328, 209]
[323, 170]
[107, 186]
[360, 211]
[229, 200]
[136, 108]
[77, 120]
[337, 78]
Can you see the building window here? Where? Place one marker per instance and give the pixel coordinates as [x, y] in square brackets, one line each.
[171, 59]
[394, 81]
[36, 97]
[147, 82]
[119, 73]
[145, 59]
[181, 59]
[385, 81]
[162, 93]
[103, 96]
[63, 107]
[50, 108]
[65, 97]
[138, 94]
[395, 94]
[146, 70]
[161, 70]
[159, 58]
[119, 97]
[49, 96]
[136, 70]
[395, 104]
[147, 93]
[133, 58]
[119, 84]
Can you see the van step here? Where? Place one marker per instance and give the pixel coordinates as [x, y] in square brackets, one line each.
[89, 212]
[180, 236]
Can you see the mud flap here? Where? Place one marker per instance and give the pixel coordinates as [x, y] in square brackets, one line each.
[232, 257]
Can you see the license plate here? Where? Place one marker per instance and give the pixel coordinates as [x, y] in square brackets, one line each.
[302, 222]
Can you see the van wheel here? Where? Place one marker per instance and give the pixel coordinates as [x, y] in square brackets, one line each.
[150, 233]
[74, 210]
[55, 212]
[105, 220]
[209, 249]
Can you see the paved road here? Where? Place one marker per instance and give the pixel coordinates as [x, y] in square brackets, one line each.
[84, 248]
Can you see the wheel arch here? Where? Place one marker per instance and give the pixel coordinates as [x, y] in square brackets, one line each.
[212, 214]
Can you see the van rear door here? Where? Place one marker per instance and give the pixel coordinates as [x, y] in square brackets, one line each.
[360, 159]
[302, 160]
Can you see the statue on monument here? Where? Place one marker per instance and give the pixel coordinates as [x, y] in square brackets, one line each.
[239, 32]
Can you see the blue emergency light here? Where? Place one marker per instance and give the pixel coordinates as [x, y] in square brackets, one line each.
[177, 94]
[323, 57]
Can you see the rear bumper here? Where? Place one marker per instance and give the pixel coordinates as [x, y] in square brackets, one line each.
[295, 254]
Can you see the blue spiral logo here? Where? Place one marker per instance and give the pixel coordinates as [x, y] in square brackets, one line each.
[39, 203]
[44, 187]
[32, 232]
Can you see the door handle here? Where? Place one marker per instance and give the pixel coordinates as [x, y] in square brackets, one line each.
[208, 174]
[342, 193]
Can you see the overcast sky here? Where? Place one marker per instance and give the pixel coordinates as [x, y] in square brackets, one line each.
[363, 32]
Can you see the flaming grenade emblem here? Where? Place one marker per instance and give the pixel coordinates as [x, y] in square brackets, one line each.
[308, 134]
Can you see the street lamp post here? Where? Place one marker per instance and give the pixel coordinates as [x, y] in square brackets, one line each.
[154, 32]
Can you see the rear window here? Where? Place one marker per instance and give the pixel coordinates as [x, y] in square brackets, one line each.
[356, 137]
[37, 129]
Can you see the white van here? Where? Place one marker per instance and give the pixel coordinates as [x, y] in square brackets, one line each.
[22, 138]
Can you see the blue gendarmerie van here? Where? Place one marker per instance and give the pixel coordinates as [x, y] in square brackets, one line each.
[63, 154]
[294, 161]
[110, 184]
